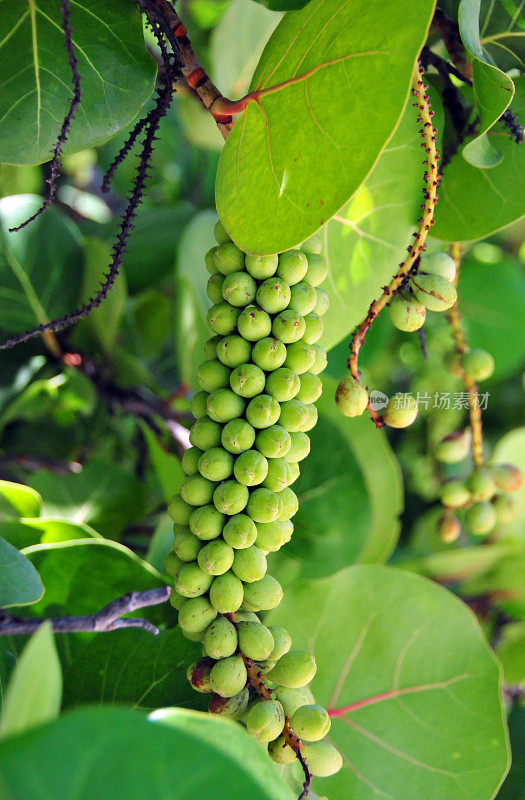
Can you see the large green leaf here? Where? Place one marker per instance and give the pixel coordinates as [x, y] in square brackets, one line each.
[510, 650]
[35, 688]
[20, 583]
[412, 686]
[26, 532]
[167, 466]
[17, 500]
[298, 152]
[105, 754]
[116, 72]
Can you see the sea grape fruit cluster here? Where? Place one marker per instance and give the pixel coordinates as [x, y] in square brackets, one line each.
[258, 386]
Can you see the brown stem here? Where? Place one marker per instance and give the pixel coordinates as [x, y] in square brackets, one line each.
[461, 347]
[449, 32]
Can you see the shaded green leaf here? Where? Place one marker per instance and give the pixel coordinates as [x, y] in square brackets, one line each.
[166, 465]
[161, 543]
[17, 500]
[20, 583]
[27, 532]
[511, 652]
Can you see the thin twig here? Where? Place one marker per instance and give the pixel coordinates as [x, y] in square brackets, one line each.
[449, 32]
[107, 619]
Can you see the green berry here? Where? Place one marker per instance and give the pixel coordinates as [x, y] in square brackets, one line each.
[288, 326]
[233, 351]
[254, 323]
[198, 674]
[196, 614]
[310, 389]
[351, 397]
[223, 405]
[292, 266]
[505, 507]
[198, 404]
[206, 522]
[455, 447]
[240, 531]
[293, 416]
[246, 616]
[273, 295]
[283, 384]
[478, 364]
[454, 493]
[216, 557]
[401, 410]
[311, 421]
[321, 359]
[282, 641]
[433, 291]
[322, 758]
[228, 676]
[226, 593]
[213, 375]
[222, 318]
[314, 328]
[210, 261]
[232, 707]
[214, 287]
[290, 503]
[255, 640]
[237, 436]
[229, 258]
[295, 669]
[265, 720]
[230, 497]
[262, 595]
[179, 510]
[273, 442]
[314, 244]
[507, 477]
[300, 357]
[220, 233]
[216, 464]
[481, 518]
[249, 564]
[251, 468]
[294, 466]
[220, 640]
[247, 380]
[177, 601]
[210, 347]
[271, 535]
[439, 264]
[299, 446]
[317, 269]
[263, 411]
[172, 564]
[269, 354]
[311, 723]
[292, 699]
[239, 289]
[261, 267]
[205, 433]
[323, 301]
[281, 752]
[185, 544]
[303, 297]
[279, 475]
[191, 580]
[197, 491]
[264, 505]
[481, 485]
[406, 313]
[449, 527]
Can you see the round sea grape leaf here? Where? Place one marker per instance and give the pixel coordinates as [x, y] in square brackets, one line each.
[511, 652]
[26, 532]
[116, 72]
[20, 583]
[297, 152]
[17, 500]
[411, 685]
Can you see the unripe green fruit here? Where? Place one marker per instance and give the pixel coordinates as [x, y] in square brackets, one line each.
[288, 326]
[290, 503]
[269, 354]
[314, 244]
[454, 493]
[247, 380]
[401, 410]
[279, 475]
[232, 707]
[177, 601]
[433, 291]
[294, 466]
[226, 593]
[214, 288]
[406, 313]
[220, 233]
[198, 404]
[295, 669]
[317, 269]
[223, 405]
[262, 595]
[246, 616]
[254, 323]
[255, 640]
[196, 614]
[321, 359]
[193, 636]
[281, 752]
[229, 258]
[351, 397]
[216, 557]
[213, 375]
[222, 318]
[273, 295]
[233, 351]
[299, 447]
[311, 723]
[449, 527]
[310, 389]
[283, 384]
[210, 347]
[303, 297]
[478, 364]
[314, 328]
[230, 497]
[249, 564]
[228, 676]
[505, 507]
[220, 640]
[481, 485]
[282, 641]
[251, 468]
[265, 720]
[261, 267]
[197, 491]
[322, 758]
[238, 289]
[293, 416]
[439, 264]
[271, 535]
[323, 301]
[481, 518]
[240, 531]
[264, 505]
[292, 699]
[507, 477]
[192, 581]
[300, 357]
[216, 464]
[179, 510]
[209, 260]
[198, 674]
[311, 422]
[454, 447]
[185, 544]
[205, 433]
[273, 442]
[172, 564]
[263, 411]
[292, 266]
[237, 436]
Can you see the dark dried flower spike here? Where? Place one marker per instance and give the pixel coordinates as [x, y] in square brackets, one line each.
[66, 125]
